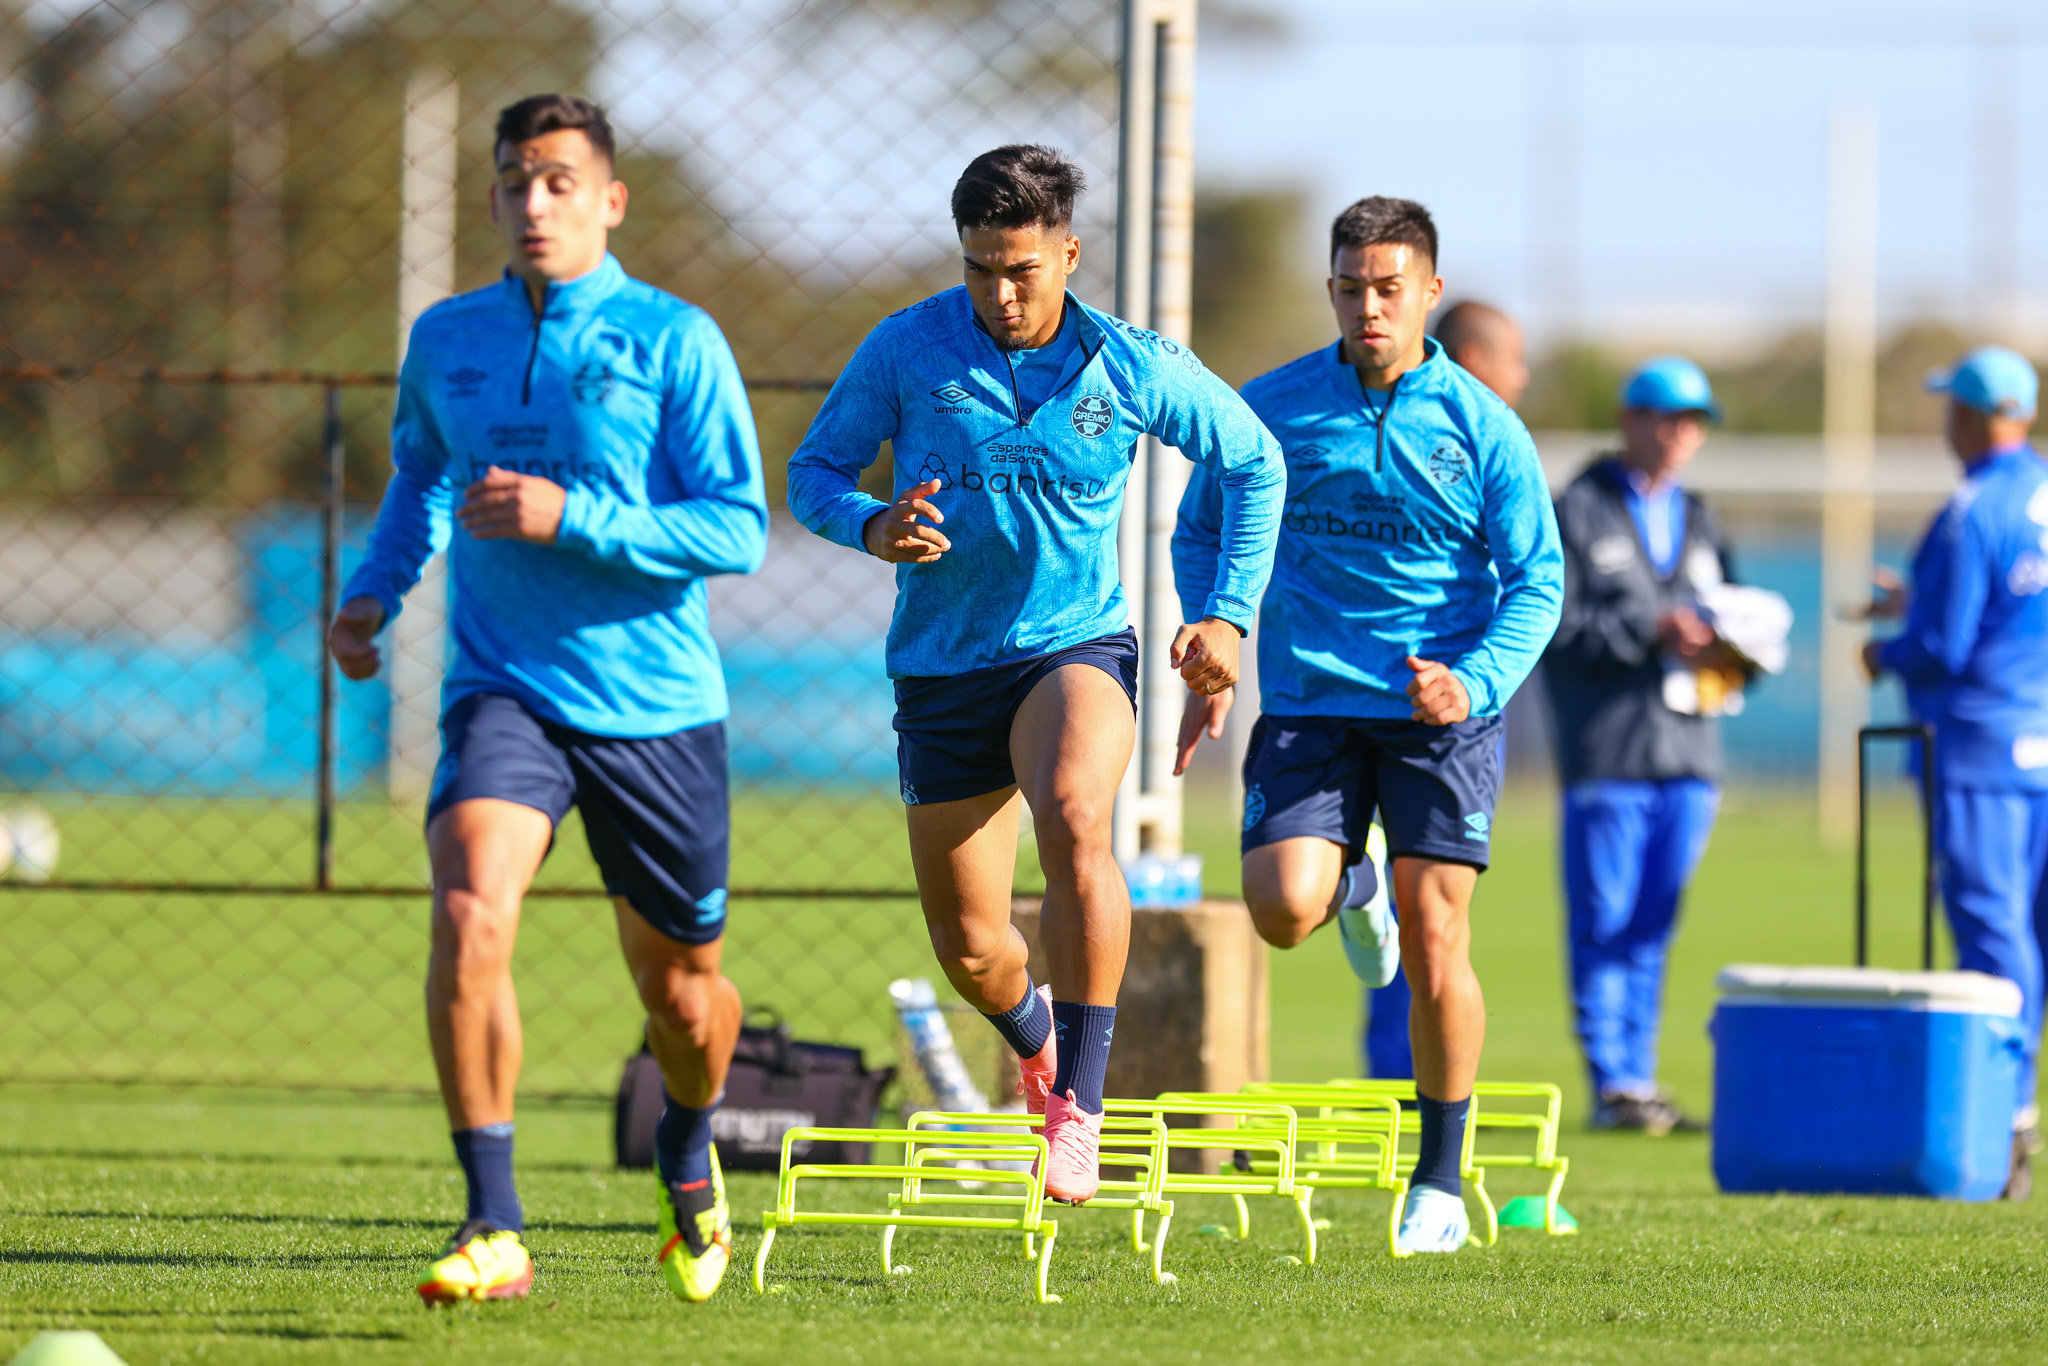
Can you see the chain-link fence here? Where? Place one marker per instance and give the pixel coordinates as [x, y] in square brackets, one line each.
[219, 218]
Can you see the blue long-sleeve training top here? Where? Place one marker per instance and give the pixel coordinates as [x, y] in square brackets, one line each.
[1031, 490]
[630, 399]
[1974, 652]
[1417, 523]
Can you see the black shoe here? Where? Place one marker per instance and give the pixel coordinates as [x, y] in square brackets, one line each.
[2019, 1178]
[1631, 1112]
[1654, 1115]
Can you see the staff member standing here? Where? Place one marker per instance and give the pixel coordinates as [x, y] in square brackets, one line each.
[1974, 659]
[1641, 776]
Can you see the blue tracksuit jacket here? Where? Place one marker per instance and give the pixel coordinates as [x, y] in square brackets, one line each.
[1974, 652]
[1031, 496]
[1417, 523]
[629, 398]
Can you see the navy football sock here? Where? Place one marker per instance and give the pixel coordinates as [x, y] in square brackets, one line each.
[1084, 1033]
[485, 1153]
[682, 1141]
[1361, 883]
[1025, 1024]
[1443, 1143]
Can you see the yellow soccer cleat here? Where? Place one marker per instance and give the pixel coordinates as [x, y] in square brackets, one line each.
[481, 1262]
[696, 1236]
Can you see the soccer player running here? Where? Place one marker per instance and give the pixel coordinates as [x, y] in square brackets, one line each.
[1486, 342]
[1974, 659]
[581, 444]
[1417, 581]
[1013, 410]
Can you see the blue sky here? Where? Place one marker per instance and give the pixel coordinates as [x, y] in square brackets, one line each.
[1699, 136]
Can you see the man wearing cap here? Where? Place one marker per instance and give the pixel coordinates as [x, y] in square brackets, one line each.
[1974, 659]
[1639, 760]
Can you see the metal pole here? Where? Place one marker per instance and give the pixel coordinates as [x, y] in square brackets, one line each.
[1173, 249]
[330, 589]
[1848, 422]
[1863, 848]
[1929, 889]
[1135, 170]
[426, 275]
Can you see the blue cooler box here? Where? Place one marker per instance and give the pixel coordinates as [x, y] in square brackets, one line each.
[1863, 1081]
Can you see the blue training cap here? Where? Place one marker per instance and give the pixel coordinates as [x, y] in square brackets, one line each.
[1670, 384]
[1991, 379]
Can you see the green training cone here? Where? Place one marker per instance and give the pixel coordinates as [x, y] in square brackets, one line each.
[1526, 1211]
[71, 1348]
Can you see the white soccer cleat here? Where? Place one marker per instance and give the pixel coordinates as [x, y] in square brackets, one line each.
[1372, 938]
[1435, 1221]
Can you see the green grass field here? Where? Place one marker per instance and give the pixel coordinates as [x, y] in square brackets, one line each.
[258, 1225]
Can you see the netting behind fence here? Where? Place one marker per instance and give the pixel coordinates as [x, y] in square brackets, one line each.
[252, 187]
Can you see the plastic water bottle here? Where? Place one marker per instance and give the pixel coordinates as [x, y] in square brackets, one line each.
[917, 1005]
[1158, 883]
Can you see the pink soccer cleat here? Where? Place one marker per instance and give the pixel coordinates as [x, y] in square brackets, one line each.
[1035, 1073]
[1073, 1138]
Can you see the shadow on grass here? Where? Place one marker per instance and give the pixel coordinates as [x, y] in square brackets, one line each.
[273, 1159]
[171, 1321]
[289, 1261]
[326, 1220]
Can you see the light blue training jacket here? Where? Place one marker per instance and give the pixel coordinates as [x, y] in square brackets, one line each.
[1418, 522]
[1974, 653]
[629, 398]
[1031, 497]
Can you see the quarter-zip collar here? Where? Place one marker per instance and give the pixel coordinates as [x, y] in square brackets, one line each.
[562, 300]
[1427, 375]
[1087, 336]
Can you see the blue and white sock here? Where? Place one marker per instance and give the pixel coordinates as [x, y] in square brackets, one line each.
[1443, 1143]
[485, 1153]
[1084, 1034]
[682, 1142]
[1025, 1024]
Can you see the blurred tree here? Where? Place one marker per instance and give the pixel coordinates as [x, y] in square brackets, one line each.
[1258, 297]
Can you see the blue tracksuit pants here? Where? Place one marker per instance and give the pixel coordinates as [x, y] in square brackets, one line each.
[1630, 848]
[1993, 847]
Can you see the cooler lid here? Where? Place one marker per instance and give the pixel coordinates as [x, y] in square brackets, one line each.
[1971, 992]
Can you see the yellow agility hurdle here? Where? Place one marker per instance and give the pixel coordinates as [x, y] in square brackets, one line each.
[1129, 1142]
[1275, 1133]
[1491, 1115]
[1029, 1203]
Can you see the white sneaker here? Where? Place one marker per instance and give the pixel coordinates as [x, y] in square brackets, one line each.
[1372, 939]
[1435, 1221]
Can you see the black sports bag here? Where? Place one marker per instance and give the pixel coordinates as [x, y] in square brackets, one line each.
[777, 1083]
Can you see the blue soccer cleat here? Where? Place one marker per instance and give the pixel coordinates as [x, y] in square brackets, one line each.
[1435, 1221]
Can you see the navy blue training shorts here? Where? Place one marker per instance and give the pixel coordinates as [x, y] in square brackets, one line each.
[953, 733]
[1433, 786]
[656, 811]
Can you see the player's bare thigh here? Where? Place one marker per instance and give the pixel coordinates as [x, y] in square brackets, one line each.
[1070, 743]
[1289, 885]
[964, 854]
[485, 853]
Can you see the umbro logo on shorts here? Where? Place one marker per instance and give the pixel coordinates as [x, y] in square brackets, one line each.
[711, 906]
[1477, 826]
[1254, 806]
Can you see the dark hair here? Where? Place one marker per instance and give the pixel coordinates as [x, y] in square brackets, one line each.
[538, 114]
[1018, 186]
[1378, 221]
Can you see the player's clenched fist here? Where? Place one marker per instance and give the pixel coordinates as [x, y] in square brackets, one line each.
[1205, 652]
[1439, 698]
[897, 535]
[352, 636]
[506, 506]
